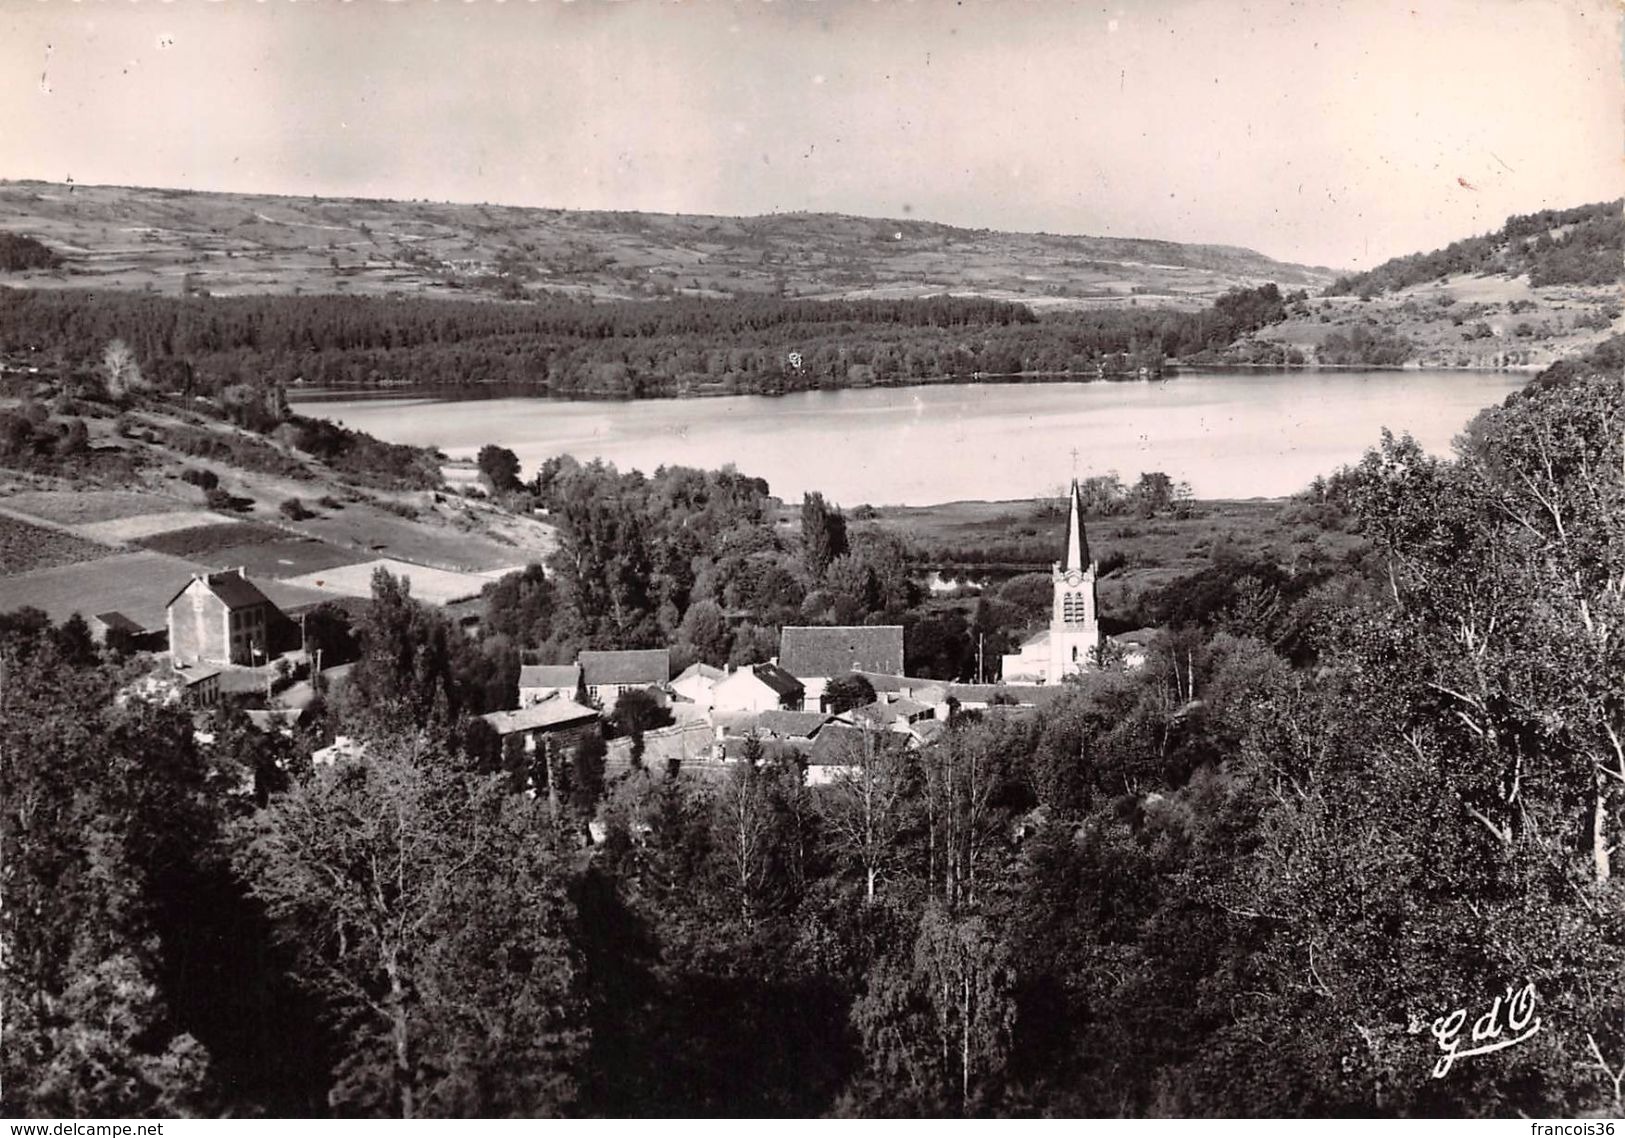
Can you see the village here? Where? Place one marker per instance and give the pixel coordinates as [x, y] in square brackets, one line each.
[828, 692]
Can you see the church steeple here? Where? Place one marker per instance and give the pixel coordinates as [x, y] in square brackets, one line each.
[1077, 542]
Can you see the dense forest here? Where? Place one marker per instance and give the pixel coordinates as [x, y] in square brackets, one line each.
[621, 350]
[1241, 880]
[1567, 246]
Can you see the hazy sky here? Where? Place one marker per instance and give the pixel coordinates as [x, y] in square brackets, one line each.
[1326, 132]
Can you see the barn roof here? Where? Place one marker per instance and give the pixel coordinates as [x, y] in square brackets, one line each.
[807, 652]
[540, 716]
[549, 675]
[650, 666]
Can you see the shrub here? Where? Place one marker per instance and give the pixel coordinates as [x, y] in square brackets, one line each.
[296, 510]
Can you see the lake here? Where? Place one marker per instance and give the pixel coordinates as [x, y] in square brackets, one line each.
[1229, 434]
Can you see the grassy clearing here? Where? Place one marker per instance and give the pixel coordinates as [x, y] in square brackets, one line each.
[290, 557]
[435, 586]
[429, 539]
[24, 547]
[137, 584]
[119, 531]
[204, 540]
[82, 507]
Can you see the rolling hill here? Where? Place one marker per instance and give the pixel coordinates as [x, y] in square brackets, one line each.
[176, 242]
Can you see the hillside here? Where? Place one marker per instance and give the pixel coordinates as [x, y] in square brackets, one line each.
[179, 242]
[1543, 287]
[110, 507]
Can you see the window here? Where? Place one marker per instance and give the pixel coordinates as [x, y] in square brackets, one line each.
[1073, 609]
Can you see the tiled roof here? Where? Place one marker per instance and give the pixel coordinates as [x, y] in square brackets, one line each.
[702, 671]
[649, 666]
[539, 716]
[550, 676]
[838, 745]
[807, 652]
[234, 590]
[1026, 695]
[883, 713]
[882, 683]
[117, 622]
[791, 724]
[778, 679]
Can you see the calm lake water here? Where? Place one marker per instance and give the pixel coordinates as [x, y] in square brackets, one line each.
[1229, 434]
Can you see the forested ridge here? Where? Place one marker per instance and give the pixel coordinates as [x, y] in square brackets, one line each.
[618, 350]
[1258, 876]
[1568, 246]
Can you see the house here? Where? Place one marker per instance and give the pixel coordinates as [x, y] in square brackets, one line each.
[816, 655]
[343, 749]
[195, 685]
[221, 618]
[1135, 646]
[838, 751]
[544, 681]
[759, 687]
[558, 722]
[114, 629]
[799, 727]
[695, 683]
[609, 675]
[891, 715]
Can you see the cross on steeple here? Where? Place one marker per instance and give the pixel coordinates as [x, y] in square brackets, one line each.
[1074, 464]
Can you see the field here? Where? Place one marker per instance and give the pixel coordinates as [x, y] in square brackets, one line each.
[237, 244]
[435, 586]
[287, 557]
[433, 538]
[83, 507]
[200, 541]
[136, 584]
[119, 531]
[24, 547]
[1468, 321]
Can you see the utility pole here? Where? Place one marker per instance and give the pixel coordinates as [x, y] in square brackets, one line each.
[981, 670]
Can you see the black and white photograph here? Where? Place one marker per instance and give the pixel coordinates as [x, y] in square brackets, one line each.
[812, 560]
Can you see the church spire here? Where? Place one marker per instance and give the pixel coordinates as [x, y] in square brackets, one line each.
[1077, 543]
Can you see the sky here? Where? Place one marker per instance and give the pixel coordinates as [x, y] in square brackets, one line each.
[1331, 133]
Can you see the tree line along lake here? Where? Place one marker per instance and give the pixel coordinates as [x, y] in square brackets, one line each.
[1254, 434]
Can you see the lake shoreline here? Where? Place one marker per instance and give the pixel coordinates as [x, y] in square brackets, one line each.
[1251, 433]
[481, 391]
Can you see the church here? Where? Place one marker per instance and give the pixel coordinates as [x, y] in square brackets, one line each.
[1071, 643]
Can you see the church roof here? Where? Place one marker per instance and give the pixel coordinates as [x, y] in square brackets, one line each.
[1077, 541]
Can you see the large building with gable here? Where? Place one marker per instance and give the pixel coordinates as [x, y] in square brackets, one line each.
[816, 655]
[221, 618]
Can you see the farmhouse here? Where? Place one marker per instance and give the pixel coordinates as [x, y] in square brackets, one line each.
[222, 618]
[760, 687]
[695, 684]
[816, 655]
[544, 681]
[557, 721]
[608, 675]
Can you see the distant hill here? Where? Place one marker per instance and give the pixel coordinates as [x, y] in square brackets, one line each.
[1542, 288]
[1580, 246]
[176, 242]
